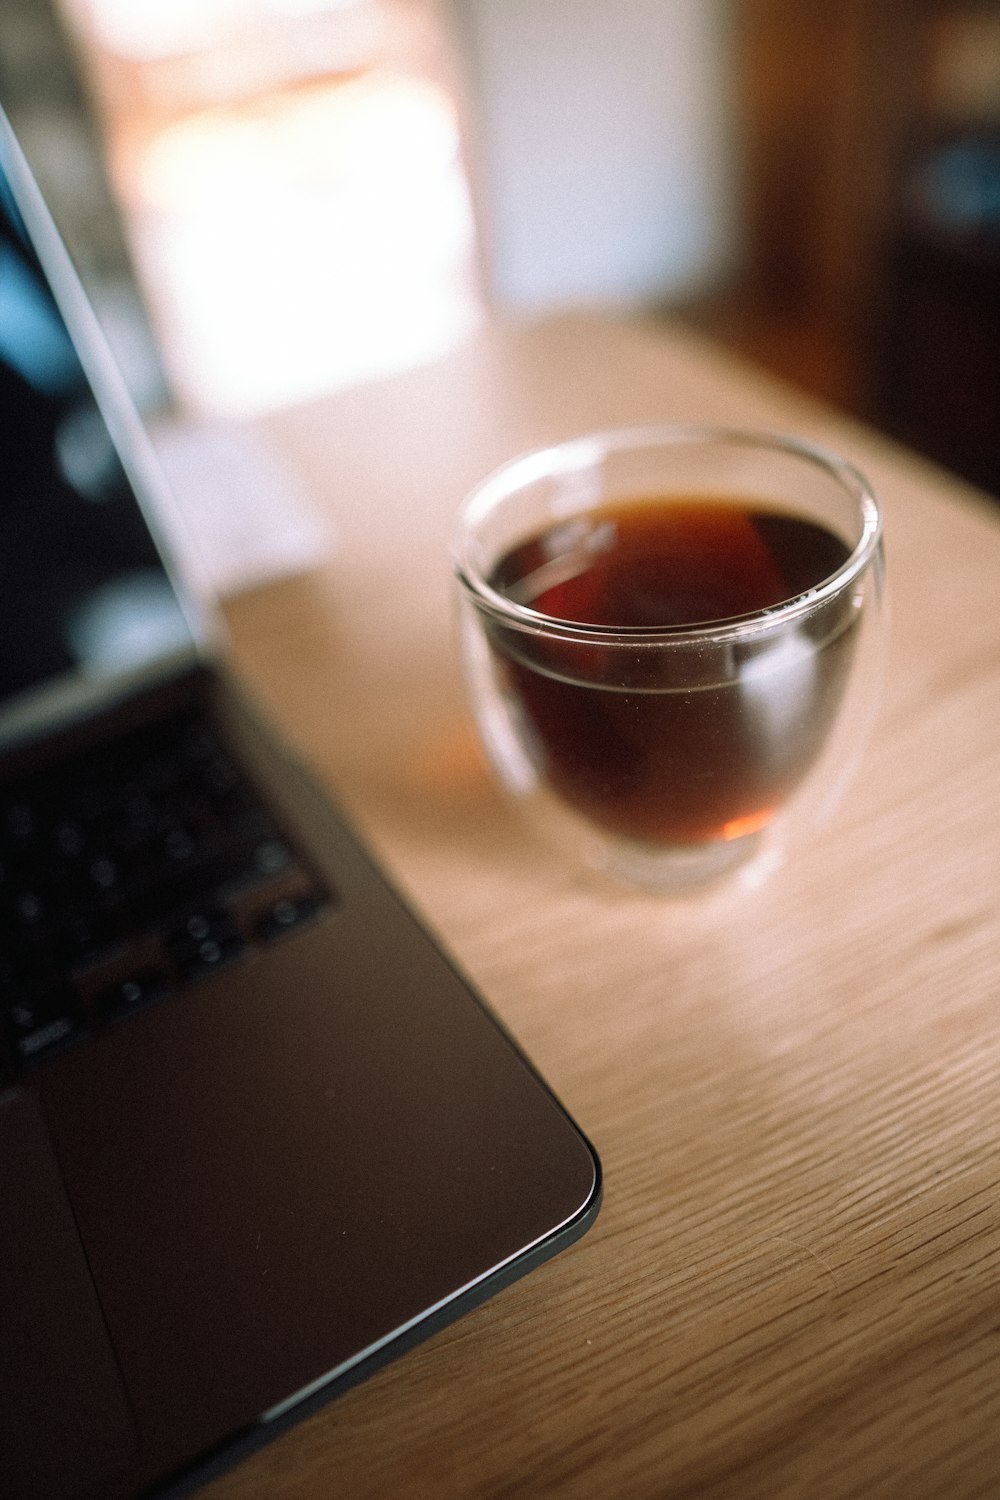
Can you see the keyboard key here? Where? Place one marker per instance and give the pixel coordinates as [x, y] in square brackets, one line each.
[203, 942]
[132, 993]
[38, 1025]
[104, 873]
[29, 908]
[19, 821]
[287, 914]
[271, 856]
[69, 839]
[82, 935]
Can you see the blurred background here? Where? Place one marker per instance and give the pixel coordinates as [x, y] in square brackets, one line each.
[271, 199]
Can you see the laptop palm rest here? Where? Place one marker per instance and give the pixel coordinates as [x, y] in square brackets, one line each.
[306, 1161]
[57, 1356]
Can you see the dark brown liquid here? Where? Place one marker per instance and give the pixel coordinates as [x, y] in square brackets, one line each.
[664, 746]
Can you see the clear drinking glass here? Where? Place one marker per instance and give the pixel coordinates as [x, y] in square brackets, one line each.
[672, 641]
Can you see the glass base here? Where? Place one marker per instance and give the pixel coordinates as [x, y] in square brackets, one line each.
[658, 869]
[673, 870]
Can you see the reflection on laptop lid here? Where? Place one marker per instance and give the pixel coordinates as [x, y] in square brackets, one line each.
[87, 603]
[257, 1136]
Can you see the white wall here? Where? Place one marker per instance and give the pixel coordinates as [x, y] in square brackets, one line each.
[600, 144]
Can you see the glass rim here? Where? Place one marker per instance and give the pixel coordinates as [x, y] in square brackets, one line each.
[587, 450]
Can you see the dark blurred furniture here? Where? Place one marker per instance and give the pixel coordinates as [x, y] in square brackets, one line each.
[857, 283]
[940, 358]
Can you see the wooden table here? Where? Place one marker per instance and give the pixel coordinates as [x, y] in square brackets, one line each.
[793, 1288]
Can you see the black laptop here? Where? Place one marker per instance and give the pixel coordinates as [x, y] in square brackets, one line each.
[257, 1136]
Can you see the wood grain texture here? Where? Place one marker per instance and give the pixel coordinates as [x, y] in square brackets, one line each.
[793, 1288]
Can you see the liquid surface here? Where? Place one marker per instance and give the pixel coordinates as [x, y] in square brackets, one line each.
[668, 563]
[673, 747]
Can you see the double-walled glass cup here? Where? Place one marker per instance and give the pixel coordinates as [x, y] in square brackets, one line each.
[685, 733]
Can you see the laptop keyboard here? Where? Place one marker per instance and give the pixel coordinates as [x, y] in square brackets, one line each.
[128, 873]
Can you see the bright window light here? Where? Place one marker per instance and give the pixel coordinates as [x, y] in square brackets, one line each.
[148, 30]
[298, 247]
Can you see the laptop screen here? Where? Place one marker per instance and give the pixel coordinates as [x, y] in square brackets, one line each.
[86, 603]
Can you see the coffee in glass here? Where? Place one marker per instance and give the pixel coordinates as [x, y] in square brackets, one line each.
[662, 630]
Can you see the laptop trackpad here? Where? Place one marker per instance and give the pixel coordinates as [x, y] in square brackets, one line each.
[67, 1425]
